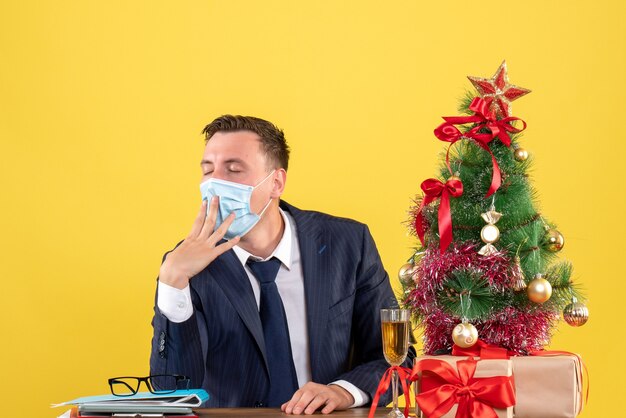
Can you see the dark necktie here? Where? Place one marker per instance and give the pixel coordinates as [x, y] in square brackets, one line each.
[283, 380]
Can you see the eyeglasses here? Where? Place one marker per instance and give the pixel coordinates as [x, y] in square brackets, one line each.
[129, 385]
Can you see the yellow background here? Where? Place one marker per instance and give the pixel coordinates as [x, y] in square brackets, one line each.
[102, 104]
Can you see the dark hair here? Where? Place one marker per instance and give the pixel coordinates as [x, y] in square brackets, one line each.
[272, 139]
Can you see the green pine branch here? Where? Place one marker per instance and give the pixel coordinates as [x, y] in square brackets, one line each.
[467, 295]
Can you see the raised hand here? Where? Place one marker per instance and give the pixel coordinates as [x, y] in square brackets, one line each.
[199, 249]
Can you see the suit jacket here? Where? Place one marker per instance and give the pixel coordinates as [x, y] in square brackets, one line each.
[221, 347]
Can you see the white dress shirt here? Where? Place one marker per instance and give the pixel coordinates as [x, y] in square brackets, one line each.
[176, 304]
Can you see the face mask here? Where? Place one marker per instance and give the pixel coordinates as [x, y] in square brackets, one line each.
[234, 198]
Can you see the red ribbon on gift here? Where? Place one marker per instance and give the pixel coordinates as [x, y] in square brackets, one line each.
[433, 189]
[383, 386]
[483, 118]
[476, 397]
[483, 350]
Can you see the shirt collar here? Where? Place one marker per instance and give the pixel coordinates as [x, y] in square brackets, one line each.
[282, 250]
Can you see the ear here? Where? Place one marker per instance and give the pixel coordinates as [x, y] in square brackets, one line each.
[278, 184]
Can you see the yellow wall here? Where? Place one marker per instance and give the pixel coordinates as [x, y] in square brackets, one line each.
[102, 103]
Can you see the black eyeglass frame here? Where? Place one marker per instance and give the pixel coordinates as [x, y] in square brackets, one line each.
[133, 391]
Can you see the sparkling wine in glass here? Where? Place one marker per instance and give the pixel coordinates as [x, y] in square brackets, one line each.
[395, 328]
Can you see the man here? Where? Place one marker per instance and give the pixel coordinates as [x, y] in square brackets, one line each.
[306, 338]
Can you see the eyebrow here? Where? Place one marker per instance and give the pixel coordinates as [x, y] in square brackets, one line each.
[229, 161]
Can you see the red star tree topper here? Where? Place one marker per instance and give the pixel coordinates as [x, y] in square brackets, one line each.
[498, 92]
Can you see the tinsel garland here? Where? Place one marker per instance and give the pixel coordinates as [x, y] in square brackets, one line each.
[522, 331]
[435, 266]
[512, 328]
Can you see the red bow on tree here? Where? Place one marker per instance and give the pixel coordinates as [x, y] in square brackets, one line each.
[434, 189]
[483, 118]
[443, 387]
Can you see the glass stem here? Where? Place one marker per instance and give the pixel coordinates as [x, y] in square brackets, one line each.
[394, 389]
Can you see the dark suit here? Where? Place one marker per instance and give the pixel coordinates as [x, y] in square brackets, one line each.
[221, 346]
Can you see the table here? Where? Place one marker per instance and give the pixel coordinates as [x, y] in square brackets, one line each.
[276, 412]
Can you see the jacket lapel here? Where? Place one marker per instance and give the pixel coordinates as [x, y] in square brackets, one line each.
[315, 255]
[230, 275]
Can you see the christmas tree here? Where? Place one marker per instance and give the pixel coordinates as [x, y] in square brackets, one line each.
[487, 266]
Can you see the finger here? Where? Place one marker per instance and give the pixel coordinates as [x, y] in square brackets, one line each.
[316, 402]
[219, 233]
[211, 218]
[199, 221]
[225, 246]
[304, 401]
[292, 402]
[331, 404]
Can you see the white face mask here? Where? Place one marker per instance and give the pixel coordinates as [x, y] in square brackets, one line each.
[234, 198]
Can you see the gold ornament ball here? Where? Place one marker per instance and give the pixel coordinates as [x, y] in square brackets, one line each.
[454, 178]
[539, 290]
[490, 234]
[406, 273]
[520, 154]
[554, 240]
[576, 314]
[465, 335]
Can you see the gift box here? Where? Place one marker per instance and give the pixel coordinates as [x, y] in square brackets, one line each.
[548, 386]
[428, 382]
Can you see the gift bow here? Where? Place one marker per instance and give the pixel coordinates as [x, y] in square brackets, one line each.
[476, 397]
[483, 350]
[385, 381]
[483, 118]
[434, 189]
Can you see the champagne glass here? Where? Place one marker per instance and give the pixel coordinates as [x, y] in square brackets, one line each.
[395, 327]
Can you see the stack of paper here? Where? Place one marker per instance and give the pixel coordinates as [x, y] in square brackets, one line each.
[176, 404]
